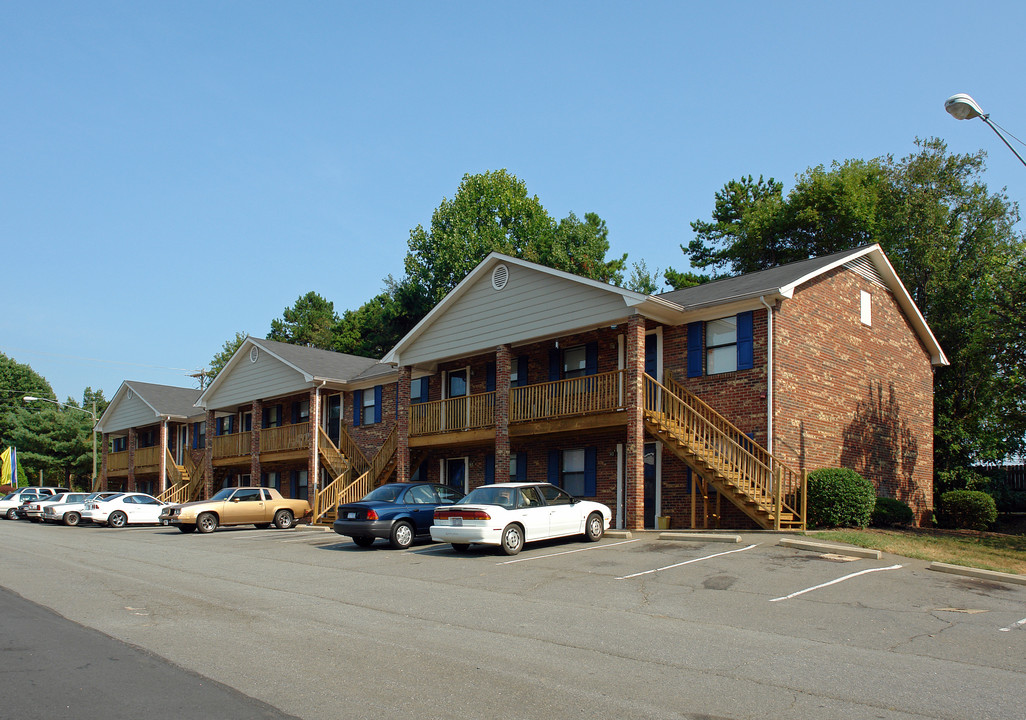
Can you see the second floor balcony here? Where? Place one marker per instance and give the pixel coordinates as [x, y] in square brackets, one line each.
[283, 439]
[590, 395]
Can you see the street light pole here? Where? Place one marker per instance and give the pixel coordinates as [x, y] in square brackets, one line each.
[963, 107]
[31, 398]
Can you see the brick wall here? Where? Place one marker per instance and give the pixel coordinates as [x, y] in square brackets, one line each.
[848, 395]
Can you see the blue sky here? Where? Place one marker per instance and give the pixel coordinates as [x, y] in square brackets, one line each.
[174, 173]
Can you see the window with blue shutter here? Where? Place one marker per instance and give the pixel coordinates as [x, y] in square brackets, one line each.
[555, 364]
[521, 468]
[591, 359]
[745, 341]
[519, 378]
[695, 350]
[590, 472]
[490, 377]
[377, 403]
[357, 407]
[489, 468]
[553, 469]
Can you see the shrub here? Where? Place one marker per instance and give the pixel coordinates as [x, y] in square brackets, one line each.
[966, 509]
[839, 497]
[889, 512]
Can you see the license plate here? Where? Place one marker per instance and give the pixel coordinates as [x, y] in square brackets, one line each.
[350, 516]
[457, 521]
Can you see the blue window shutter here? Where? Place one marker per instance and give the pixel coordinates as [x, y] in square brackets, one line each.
[521, 466]
[590, 472]
[425, 389]
[377, 403]
[357, 407]
[745, 341]
[553, 475]
[195, 436]
[490, 377]
[489, 468]
[281, 417]
[295, 413]
[219, 426]
[695, 349]
[555, 363]
[591, 358]
[521, 370]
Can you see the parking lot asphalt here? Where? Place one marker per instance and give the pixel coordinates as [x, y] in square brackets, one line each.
[629, 628]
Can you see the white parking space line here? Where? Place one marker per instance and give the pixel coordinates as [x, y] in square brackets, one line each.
[566, 552]
[687, 562]
[834, 582]
[1014, 625]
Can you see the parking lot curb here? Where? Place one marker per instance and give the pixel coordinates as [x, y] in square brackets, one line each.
[978, 573]
[700, 537]
[618, 534]
[851, 551]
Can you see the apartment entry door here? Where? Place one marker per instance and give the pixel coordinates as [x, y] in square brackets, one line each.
[456, 473]
[650, 485]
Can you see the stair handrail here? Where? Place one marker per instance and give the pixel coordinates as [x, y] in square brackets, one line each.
[759, 473]
[342, 490]
[338, 462]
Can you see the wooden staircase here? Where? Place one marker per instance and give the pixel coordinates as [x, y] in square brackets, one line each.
[186, 481]
[359, 478]
[727, 460]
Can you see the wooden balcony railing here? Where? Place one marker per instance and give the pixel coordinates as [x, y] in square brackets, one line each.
[234, 445]
[562, 398]
[286, 437]
[469, 412]
[147, 457]
[117, 461]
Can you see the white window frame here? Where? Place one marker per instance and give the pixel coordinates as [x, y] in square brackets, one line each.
[866, 307]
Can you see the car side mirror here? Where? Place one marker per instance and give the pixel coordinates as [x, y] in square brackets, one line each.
[574, 501]
[235, 499]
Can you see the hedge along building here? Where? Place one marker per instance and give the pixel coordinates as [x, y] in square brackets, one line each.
[706, 406]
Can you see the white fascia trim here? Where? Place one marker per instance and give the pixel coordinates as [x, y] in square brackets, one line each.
[630, 297]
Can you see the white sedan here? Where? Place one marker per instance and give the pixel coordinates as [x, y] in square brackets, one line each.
[124, 509]
[510, 514]
[68, 509]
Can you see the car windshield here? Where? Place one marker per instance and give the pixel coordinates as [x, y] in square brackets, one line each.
[224, 494]
[385, 493]
[10, 496]
[491, 495]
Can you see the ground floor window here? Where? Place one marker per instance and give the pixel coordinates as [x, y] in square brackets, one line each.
[575, 470]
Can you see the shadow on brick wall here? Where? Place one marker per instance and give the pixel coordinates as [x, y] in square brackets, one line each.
[880, 446]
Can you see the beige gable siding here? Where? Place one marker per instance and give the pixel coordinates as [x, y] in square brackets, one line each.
[130, 413]
[531, 305]
[268, 377]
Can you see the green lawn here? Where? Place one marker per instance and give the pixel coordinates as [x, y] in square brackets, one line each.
[989, 551]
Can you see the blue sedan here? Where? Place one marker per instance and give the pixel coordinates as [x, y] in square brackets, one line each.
[398, 512]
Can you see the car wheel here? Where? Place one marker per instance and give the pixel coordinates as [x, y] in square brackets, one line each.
[593, 528]
[402, 535]
[363, 540]
[186, 528]
[12, 514]
[72, 518]
[117, 519]
[283, 519]
[460, 547]
[206, 523]
[512, 539]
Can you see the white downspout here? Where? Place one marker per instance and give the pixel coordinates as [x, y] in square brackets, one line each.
[316, 440]
[769, 374]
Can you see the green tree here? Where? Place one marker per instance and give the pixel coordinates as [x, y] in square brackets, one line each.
[16, 381]
[492, 212]
[310, 322]
[951, 240]
[221, 358]
[643, 280]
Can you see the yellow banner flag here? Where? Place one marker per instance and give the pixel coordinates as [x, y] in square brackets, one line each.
[6, 468]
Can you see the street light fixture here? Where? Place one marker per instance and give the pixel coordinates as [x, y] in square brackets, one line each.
[32, 398]
[963, 107]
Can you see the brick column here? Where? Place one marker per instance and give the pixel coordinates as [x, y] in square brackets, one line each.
[254, 443]
[634, 461]
[163, 456]
[314, 463]
[402, 425]
[208, 456]
[502, 370]
[104, 449]
[130, 483]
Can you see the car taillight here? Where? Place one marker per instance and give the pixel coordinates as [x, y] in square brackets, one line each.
[372, 515]
[465, 514]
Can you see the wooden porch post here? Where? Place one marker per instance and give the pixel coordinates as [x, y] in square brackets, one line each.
[208, 455]
[402, 425]
[313, 470]
[502, 372]
[634, 460]
[163, 456]
[104, 449]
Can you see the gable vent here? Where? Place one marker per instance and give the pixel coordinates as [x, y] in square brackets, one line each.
[500, 276]
[866, 269]
[254, 354]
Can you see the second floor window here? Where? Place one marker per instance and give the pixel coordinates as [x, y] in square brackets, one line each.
[367, 406]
